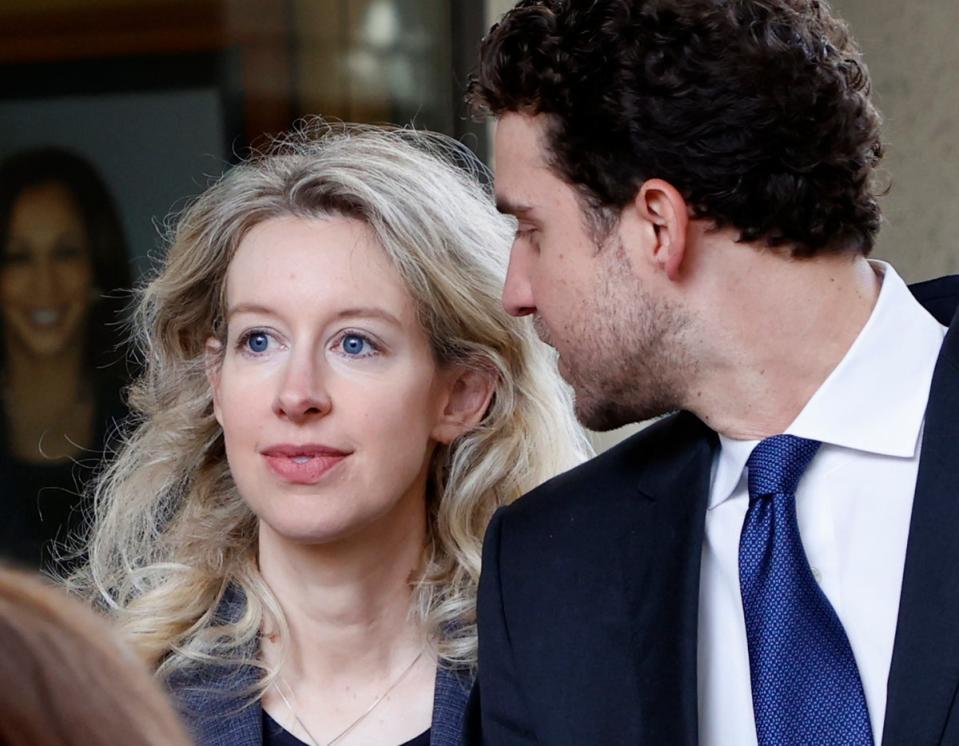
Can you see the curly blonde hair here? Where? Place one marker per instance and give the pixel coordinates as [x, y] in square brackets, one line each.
[171, 536]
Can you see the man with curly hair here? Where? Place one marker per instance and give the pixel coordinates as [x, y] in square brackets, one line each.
[694, 184]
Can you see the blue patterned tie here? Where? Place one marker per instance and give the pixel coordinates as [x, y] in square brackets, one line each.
[806, 687]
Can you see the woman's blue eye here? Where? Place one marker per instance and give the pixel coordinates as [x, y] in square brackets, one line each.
[353, 344]
[257, 342]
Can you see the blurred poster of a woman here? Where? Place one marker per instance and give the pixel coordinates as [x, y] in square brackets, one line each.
[63, 270]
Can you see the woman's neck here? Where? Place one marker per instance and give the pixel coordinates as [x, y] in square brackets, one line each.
[347, 605]
[353, 645]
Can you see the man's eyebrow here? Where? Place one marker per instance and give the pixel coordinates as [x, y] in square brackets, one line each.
[508, 207]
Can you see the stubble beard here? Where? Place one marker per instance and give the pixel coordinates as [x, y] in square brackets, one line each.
[627, 359]
[611, 405]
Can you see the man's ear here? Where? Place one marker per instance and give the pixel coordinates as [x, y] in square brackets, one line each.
[469, 392]
[212, 363]
[663, 208]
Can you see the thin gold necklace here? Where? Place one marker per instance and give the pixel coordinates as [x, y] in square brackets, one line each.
[314, 741]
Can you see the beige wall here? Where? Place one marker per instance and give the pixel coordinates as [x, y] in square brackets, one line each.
[913, 55]
[496, 8]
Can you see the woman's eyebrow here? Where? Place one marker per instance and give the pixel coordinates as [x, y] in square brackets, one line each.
[247, 308]
[354, 312]
[369, 312]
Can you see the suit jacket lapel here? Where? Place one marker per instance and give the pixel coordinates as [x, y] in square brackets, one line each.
[924, 672]
[666, 601]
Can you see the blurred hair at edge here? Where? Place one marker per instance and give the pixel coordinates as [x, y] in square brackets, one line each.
[172, 535]
[68, 680]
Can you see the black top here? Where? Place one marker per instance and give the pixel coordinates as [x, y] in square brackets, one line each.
[275, 735]
[41, 503]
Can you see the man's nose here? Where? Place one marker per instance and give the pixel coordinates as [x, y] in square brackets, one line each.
[518, 290]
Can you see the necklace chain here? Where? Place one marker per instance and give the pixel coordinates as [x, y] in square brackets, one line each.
[314, 741]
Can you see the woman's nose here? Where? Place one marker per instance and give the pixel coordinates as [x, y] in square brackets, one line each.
[301, 394]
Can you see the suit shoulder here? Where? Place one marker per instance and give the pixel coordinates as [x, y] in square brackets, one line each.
[946, 286]
[939, 296]
[599, 484]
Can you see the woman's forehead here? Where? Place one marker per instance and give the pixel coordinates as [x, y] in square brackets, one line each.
[296, 264]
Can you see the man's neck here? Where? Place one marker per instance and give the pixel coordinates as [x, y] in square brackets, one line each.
[784, 329]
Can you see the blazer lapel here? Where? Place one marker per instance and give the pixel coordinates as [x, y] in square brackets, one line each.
[924, 672]
[220, 713]
[665, 603]
[216, 704]
[449, 706]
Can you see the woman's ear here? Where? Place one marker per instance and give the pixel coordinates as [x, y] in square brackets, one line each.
[469, 392]
[212, 363]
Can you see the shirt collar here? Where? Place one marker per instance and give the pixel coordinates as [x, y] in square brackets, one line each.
[875, 398]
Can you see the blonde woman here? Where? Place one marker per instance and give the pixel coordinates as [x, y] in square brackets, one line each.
[334, 403]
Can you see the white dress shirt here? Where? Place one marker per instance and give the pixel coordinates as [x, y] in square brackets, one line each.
[853, 504]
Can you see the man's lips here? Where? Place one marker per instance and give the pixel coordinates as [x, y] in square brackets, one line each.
[302, 464]
[542, 331]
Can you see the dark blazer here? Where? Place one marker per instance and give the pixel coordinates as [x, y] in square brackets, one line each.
[214, 701]
[589, 595]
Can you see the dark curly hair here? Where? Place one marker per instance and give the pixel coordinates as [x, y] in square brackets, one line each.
[757, 111]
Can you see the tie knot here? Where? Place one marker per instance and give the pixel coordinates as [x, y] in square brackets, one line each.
[777, 464]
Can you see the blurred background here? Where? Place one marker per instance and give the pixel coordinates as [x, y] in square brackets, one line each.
[127, 108]
[161, 94]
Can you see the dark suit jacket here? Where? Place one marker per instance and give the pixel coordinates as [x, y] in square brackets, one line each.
[589, 595]
[214, 701]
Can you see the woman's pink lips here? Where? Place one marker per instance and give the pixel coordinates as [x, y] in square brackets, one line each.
[302, 464]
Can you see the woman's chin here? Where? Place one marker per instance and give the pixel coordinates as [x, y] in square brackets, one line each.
[320, 531]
